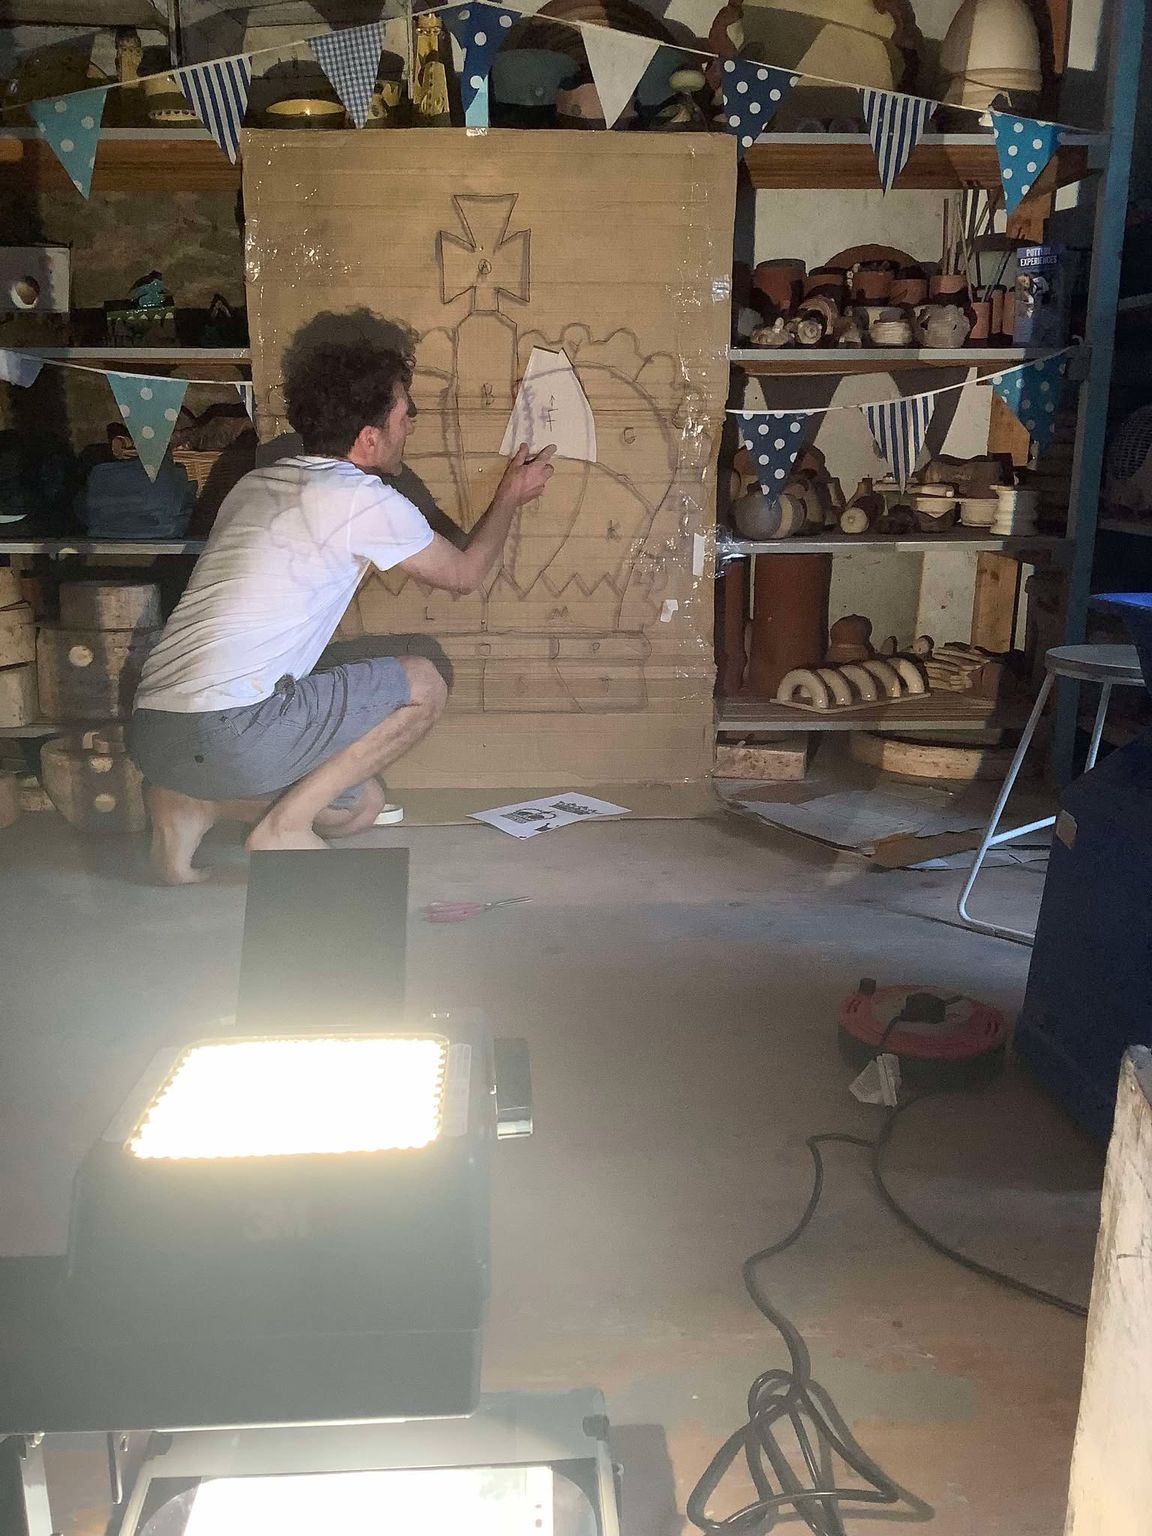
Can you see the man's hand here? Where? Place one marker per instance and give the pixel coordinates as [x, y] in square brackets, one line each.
[525, 478]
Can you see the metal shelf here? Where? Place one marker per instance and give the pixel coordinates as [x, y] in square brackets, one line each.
[760, 361]
[61, 547]
[903, 544]
[927, 712]
[161, 355]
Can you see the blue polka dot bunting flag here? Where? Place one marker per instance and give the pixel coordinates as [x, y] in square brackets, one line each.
[351, 58]
[899, 428]
[1023, 147]
[753, 94]
[71, 124]
[1032, 394]
[895, 124]
[774, 439]
[150, 408]
[479, 29]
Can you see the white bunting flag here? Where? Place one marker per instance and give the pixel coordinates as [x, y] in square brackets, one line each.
[618, 63]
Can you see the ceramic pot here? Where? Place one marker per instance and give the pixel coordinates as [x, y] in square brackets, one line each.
[872, 285]
[980, 319]
[768, 517]
[978, 511]
[891, 333]
[823, 280]
[934, 514]
[780, 284]
[991, 46]
[949, 287]
[1015, 510]
[942, 326]
[909, 291]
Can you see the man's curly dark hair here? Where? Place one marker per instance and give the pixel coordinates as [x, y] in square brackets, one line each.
[335, 390]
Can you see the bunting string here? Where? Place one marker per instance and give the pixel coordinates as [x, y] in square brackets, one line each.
[581, 26]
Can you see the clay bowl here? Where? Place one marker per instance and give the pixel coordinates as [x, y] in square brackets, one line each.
[768, 517]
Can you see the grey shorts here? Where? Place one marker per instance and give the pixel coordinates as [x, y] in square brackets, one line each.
[261, 749]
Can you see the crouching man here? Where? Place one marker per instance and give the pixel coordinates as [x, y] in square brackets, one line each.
[236, 713]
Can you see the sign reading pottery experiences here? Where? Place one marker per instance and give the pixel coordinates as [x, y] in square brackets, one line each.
[589, 658]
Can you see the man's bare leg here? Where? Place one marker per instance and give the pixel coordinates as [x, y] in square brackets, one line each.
[289, 823]
[179, 824]
[355, 818]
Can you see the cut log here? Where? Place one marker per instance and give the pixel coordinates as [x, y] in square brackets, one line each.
[90, 674]
[109, 605]
[18, 695]
[93, 782]
[17, 635]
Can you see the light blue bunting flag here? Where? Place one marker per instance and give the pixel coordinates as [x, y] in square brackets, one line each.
[753, 94]
[219, 92]
[1032, 393]
[71, 125]
[350, 58]
[247, 393]
[774, 439]
[895, 124]
[479, 29]
[18, 368]
[150, 408]
[900, 427]
[1023, 147]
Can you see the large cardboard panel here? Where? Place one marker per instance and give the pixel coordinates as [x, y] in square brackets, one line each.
[588, 659]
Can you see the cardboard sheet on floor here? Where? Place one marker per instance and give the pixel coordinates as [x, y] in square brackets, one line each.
[872, 821]
[645, 802]
[588, 658]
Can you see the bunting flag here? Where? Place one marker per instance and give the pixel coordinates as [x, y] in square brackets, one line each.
[618, 63]
[219, 92]
[479, 29]
[247, 393]
[150, 408]
[753, 94]
[1023, 147]
[17, 368]
[350, 58]
[1032, 394]
[900, 427]
[71, 125]
[895, 124]
[774, 439]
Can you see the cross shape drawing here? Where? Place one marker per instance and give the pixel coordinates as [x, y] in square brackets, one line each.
[491, 262]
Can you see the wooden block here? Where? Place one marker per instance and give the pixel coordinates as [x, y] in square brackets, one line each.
[1110, 1488]
[90, 674]
[109, 605]
[17, 635]
[783, 759]
[10, 592]
[93, 783]
[18, 696]
[9, 798]
[959, 760]
[32, 794]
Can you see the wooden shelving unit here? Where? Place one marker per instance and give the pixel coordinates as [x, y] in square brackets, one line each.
[765, 362]
[127, 160]
[940, 162]
[926, 712]
[1041, 545]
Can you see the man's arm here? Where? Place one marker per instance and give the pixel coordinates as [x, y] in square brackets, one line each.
[442, 565]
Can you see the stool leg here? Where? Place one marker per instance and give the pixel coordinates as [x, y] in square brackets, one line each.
[992, 836]
[1098, 727]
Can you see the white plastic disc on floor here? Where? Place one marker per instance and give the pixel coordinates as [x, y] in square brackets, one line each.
[389, 816]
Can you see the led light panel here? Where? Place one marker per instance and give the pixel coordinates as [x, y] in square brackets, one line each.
[296, 1097]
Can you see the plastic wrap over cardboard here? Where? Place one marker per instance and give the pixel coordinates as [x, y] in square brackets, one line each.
[588, 659]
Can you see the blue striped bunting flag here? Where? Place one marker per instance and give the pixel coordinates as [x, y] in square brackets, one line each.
[900, 427]
[219, 92]
[774, 439]
[895, 124]
[350, 58]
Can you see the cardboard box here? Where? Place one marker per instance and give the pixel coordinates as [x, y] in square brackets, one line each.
[589, 658]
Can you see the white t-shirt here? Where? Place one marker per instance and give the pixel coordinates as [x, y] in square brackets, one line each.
[290, 545]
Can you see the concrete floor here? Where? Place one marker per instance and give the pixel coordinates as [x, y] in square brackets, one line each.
[678, 985]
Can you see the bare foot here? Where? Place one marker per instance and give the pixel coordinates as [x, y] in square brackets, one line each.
[358, 817]
[179, 823]
[267, 837]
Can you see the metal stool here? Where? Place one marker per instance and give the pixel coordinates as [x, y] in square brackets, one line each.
[1112, 666]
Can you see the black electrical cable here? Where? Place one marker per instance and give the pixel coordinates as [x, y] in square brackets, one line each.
[790, 1394]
